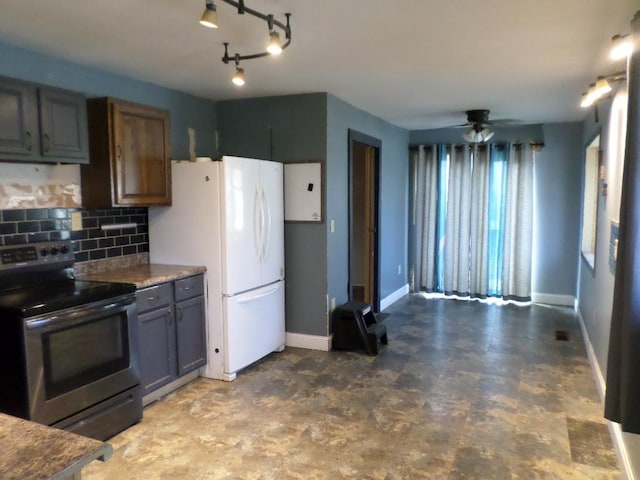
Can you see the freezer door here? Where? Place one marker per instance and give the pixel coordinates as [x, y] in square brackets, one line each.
[272, 204]
[242, 234]
[254, 325]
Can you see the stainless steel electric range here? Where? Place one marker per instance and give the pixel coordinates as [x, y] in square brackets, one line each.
[68, 348]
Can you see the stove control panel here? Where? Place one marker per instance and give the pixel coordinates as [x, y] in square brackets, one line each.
[35, 254]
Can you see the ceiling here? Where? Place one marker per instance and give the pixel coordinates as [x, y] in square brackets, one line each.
[415, 63]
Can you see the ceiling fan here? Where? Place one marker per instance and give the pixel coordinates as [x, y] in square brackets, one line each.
[478, 119]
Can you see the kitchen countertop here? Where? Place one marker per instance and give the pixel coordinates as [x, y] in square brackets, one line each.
[33, 451]
[144, 275]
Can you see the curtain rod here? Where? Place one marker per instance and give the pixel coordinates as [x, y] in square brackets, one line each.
[536, 145]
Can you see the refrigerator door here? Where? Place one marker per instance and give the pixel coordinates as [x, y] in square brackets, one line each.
[242, 226]
[272, 192]
[254, 326]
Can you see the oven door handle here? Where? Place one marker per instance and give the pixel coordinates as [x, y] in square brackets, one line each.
[80, 314]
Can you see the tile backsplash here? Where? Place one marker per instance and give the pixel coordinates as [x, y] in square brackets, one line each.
[21, 226]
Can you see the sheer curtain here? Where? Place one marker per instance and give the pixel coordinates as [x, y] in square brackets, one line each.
[424, 169]
[472, 210]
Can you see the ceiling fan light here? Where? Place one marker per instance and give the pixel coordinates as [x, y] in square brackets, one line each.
[238, 78]
[274, 47]
[474, 135]
[486, 134]
[621, 47]
[209, 17]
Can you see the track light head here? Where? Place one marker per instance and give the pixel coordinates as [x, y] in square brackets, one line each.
[209, 17]
[238, 78]
[274, 47]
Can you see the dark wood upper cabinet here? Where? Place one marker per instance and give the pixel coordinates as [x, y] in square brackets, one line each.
[130, 155]
[42, 124]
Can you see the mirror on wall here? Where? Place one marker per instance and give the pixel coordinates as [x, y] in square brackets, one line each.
[590, 201]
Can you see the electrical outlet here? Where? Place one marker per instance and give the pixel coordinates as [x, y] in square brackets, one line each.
[399, 269]
[76, 221]
[333, 226]
[333, 304]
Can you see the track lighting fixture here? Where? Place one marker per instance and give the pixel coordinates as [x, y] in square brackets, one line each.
[209, 17]
[600, 88]
[274, 46]
[621, 47]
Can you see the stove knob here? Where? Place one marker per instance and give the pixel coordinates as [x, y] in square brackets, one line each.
[54, 250]
[44, 251]
[64, 249]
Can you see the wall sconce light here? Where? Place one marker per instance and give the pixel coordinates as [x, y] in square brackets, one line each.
[600, 88]
[274, 46]
[621, 47]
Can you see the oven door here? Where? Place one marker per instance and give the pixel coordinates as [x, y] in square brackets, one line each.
[80, 356]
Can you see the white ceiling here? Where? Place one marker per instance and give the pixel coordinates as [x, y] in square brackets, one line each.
[415, 63]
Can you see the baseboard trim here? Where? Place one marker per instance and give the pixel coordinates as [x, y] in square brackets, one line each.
[394, 297]
[553, 299]
[614, 428]
[310, 342]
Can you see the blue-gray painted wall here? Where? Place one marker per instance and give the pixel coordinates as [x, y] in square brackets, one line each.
[394, 178]
[557, 212]
[186, 110]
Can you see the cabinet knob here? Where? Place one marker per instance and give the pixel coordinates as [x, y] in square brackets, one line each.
[179, 313]
[169, 317]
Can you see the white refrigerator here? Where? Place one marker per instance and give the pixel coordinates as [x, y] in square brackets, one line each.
[228, 215]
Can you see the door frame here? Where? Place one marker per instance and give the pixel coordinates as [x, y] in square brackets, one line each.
[376, 143]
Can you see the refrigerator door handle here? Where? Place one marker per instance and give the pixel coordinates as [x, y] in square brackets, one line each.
[257, 225]
[260, 295]
[267, 229]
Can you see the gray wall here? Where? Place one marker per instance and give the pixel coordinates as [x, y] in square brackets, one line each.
[288, 129]
[186, 110]
[558, 203]
[394, 179]
[557, 195]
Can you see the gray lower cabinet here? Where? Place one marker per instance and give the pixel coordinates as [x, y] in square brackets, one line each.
[171, 321]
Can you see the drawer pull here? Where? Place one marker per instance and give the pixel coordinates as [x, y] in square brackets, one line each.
[153, 299]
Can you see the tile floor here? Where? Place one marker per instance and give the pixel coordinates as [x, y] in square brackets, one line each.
[463, 391]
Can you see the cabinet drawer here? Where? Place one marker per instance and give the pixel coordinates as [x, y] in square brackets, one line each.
[189, 287]
[154, 297]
